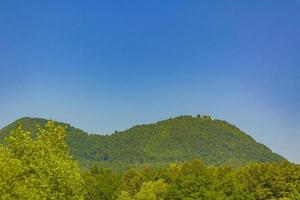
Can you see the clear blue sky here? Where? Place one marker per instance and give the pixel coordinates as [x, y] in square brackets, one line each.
[107, 65]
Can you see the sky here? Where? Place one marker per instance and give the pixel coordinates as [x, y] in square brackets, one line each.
[108, 65]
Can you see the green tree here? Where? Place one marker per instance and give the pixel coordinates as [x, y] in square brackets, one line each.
[125, 196]
[101, 184]
[271, 180]
[40, 167]
[152, 190]
[133, 179]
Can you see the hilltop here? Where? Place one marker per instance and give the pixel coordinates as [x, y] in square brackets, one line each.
[176, 139]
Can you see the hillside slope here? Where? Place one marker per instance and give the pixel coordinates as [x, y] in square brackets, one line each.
[173, 140]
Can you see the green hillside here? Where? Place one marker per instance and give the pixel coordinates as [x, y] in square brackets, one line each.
[173, 140]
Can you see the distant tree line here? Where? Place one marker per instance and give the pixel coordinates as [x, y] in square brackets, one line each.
[194, 180]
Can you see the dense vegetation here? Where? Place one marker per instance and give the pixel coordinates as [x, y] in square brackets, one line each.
[177, 139]
[39, 166]
[194, 180]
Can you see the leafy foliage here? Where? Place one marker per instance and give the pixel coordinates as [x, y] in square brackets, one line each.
[101, 183]
[194, 180]
[39, 168]
[151, 190]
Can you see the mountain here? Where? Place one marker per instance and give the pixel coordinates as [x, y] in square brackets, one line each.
[173, 140]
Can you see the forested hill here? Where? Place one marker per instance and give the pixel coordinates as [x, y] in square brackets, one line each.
[173, 140]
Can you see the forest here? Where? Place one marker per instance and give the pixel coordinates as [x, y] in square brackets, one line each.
[178, 139]
[41, 167]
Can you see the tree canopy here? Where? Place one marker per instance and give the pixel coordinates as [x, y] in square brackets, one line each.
[39, 168]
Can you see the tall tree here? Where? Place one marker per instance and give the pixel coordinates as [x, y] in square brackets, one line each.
[40, 167]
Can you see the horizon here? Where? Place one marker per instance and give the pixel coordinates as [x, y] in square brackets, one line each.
[103, 66]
